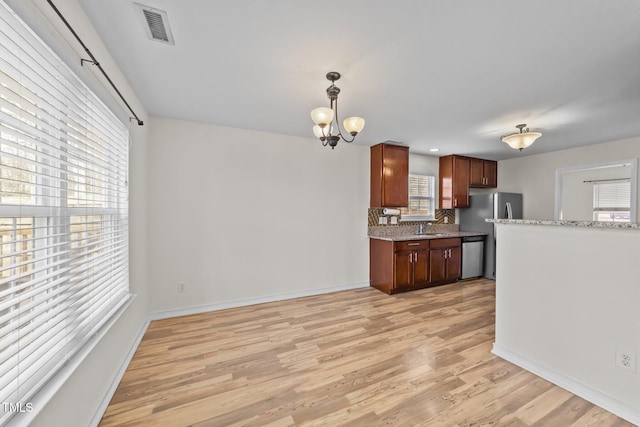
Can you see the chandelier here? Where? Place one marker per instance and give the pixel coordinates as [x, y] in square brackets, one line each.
[521, 140]
[323, 118]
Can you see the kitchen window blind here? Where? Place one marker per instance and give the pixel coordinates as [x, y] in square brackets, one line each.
[421, 198]
[63, 214]
[612, 201]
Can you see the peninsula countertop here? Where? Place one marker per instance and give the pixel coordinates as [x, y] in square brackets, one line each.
[557, 223]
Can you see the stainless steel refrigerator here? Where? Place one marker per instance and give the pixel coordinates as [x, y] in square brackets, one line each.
[491, 205]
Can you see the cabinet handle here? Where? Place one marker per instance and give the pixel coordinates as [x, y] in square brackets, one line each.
[449, 253]
[411, 258]
[415, 256]
[413, 244]
[455, 202]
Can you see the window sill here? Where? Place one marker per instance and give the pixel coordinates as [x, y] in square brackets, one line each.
[407, 218]
[51, 387]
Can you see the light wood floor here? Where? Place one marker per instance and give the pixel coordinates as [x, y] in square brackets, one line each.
[352, 358]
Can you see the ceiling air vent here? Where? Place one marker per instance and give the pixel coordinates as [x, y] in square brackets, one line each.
[156, 23]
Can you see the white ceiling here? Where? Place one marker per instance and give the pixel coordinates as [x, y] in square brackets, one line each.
[448, 74]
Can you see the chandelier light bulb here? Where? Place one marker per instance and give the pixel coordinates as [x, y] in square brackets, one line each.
[353, 125]
[318, 132]
[322, 116]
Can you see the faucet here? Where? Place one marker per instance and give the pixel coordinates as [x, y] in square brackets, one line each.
[421, 227]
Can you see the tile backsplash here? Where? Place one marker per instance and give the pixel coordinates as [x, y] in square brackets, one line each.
[441, 214]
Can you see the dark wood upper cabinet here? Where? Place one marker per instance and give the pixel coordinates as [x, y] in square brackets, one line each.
[454, 182]
[491, 173]
[476, 175]
[483, 173]
[458, 173]
[389, 176]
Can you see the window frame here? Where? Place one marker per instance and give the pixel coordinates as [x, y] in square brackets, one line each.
[405, 216]
[559, 183]
[65, 157]
[598, 209]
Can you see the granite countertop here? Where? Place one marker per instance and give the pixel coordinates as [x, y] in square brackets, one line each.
[584, 224]
[443, 235]
[405, 237]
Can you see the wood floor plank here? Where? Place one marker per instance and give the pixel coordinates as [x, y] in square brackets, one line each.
[351, 358]
[541, 405]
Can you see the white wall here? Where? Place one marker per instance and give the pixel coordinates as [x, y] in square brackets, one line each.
[76, 401]
[577, 195]
[238, 215]
[566, 301]
[534, 176]
[423, 164]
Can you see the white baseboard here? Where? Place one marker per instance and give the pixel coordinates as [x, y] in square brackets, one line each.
[97, 417]
[252, 301]
[590, 394]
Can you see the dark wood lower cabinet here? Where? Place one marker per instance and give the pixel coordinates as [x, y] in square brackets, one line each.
[411, 264]
[445, 260]
[408, 265]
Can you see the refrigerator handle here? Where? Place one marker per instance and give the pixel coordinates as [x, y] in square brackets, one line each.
[508, 212]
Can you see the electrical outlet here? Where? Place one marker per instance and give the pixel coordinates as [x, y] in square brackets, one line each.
[626, 360]
[382, 220]
[181, 287]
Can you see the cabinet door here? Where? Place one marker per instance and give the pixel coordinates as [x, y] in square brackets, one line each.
[389, 176]
[420, 267]
[461, 168]
[490, 173]
[404, 269]
[395, 187]
[454, 263]
[445, 183]
[476, 173]
[483, 173]
[437, 265]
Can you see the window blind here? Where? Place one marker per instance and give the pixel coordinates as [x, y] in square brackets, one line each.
[63, 213]
[612, 200]
[612, 195]
[421, 197]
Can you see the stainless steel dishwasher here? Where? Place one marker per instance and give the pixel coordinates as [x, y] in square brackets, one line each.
[472, 256]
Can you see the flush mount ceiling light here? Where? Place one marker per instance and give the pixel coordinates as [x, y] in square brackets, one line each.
[323, 118]
[521, 140]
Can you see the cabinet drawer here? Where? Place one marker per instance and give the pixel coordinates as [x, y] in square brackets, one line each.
[445, 243]
[411, 245]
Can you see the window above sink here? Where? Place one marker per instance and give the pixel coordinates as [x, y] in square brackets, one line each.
[422, 198]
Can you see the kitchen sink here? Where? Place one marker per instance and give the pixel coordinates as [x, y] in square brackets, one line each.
[431, 234]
